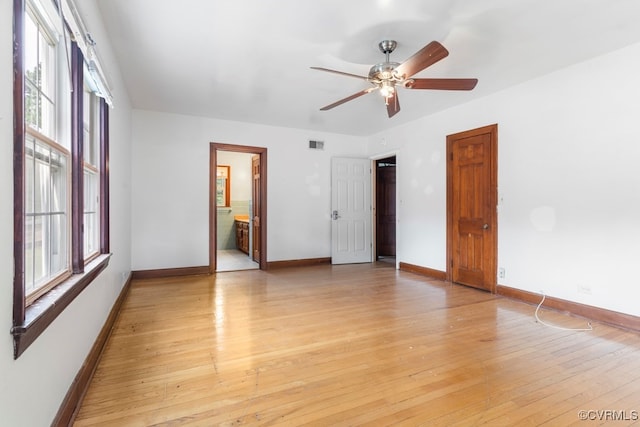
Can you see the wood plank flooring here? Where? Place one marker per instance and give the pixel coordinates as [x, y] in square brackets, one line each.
[353, 345]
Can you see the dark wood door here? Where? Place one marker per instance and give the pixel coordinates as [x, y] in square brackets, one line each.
[255, 167]
[386, 207]
[471, 207]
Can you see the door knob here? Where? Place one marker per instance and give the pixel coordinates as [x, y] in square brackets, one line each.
[335, 215]
[485, 227]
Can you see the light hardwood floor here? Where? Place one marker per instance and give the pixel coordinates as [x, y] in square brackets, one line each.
[352, 345]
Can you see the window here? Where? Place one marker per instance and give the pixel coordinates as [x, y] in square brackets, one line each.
[46, 157]
[91, 171]
[223, 186]
[60, 167]
[46, 253]
[40, 61]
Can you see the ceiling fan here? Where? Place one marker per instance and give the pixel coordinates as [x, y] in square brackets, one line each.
[387, 76]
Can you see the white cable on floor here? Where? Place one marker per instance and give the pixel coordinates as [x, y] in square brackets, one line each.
[590, 328]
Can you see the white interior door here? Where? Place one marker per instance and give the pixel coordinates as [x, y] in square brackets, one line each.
[351, 210]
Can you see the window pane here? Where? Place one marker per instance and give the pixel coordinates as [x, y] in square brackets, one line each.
[221, 185]
[46, 214]
[61, 104]
[38, 257]
[91, 218]
[90, 126]
[91, 213]
[32, 106]
[31, 50]
[86, 124]
[32, 74]
[29, 252]
[40, 77]
[41, 179]
[28, 187]
[58, 179]
[47, 58]
[47, 116]
[58, 253]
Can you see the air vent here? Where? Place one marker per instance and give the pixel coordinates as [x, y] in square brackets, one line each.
[316, 145]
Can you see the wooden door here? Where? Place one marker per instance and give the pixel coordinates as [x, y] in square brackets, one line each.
[386, 207]
[255, 168]
[351, 210]
[471, 207]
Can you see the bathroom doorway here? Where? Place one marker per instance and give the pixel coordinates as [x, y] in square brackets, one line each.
[238, 208]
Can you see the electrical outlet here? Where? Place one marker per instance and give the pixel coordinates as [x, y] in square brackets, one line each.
[501, 273]
[584, 289]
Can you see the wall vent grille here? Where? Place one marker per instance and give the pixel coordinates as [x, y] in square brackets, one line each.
[316, 145]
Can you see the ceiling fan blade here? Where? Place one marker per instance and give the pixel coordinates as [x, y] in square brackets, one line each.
[393, 105]
[347, 99]
[339, 72]
[428, 55]
[442, 84]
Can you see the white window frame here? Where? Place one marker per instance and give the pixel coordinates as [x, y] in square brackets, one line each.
[47, 247]
[91, 170]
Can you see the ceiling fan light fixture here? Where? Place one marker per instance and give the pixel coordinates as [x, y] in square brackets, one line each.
[386, 76]
[387, 89]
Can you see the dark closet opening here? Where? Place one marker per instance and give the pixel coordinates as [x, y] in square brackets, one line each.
[386, 208]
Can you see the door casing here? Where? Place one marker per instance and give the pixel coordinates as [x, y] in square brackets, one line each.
[214, 147]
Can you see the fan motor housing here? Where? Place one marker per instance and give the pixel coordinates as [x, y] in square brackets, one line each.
[383, 71]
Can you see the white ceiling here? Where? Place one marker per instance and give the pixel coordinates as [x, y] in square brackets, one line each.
[248, 60]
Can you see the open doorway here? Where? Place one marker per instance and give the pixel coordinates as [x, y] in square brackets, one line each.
[385, 222]
[237, 220]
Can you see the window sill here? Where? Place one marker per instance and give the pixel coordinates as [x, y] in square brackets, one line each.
[40, 314]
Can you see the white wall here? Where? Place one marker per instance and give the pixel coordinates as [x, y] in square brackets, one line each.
[171, 187]
[33, 387]
[569, 187]
[241, 178]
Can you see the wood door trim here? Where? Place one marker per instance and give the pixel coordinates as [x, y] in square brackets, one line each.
[493, 198]
[214, 147]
